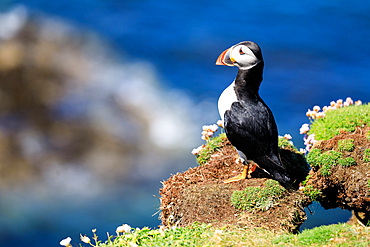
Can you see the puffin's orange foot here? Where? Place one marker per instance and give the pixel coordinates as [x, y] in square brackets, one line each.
[238, 177]
[243, 175]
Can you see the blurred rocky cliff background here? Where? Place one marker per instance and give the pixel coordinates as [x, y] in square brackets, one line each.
[68, 102]
[79, 123]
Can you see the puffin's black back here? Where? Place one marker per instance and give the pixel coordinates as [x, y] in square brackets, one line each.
[250, 125]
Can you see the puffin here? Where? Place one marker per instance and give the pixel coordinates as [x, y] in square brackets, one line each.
[248, 122]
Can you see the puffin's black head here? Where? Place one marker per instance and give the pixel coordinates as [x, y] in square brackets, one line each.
[244, 55]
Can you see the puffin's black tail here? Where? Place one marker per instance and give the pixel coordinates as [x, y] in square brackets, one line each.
[273, 166]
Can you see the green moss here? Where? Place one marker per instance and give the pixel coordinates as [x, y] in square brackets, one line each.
[212, 145]
[349, 161]
[262, 198]
[325, 161]
[313, 157]
[346, 145]
[313, 193]
[346, 118]
[366, 156]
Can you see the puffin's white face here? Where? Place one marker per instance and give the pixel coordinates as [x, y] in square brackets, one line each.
[242, 55]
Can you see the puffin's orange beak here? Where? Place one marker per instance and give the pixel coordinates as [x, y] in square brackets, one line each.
[225, 59]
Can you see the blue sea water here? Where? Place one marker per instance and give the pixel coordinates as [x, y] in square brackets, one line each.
[314, 52]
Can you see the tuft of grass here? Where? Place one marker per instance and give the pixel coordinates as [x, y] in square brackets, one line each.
[366, 156]
[343, 119]
[206, 235]
[262, 198]
[313, 193]
[346, 145]
[212, 145]
[331, 235]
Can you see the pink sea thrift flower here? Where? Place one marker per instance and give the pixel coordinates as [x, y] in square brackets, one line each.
[197, 150]
[85, 239]
[210, 128]
[320, 115]
[309, 141]
[220, 123]
[304, 129]
[287, 137]
[124, 228]
[311, 114]
[66, 242]
[349, 101]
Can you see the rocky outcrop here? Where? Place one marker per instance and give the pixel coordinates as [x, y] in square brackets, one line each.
[340, 174]
[199, 195]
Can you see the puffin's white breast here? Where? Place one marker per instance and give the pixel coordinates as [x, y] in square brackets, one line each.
[227, 97]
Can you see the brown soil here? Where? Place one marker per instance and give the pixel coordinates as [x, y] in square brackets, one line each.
[199, 195]
[346, 187]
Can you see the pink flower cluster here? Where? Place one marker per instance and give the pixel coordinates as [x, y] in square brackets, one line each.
[288, 137]
[316, 114]
[208, 131]
[197, 150]
[309, 140]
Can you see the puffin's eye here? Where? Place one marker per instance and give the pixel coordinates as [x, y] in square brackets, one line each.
[241, 52]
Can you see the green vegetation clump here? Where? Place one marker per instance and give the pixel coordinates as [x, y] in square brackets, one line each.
[262, 198]
[367, 155]
[313, 157]
[326, 160]
[343, 119]
[313, 193]
[212, 145]
[349, 161]
[284, 143]
[346, 145]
